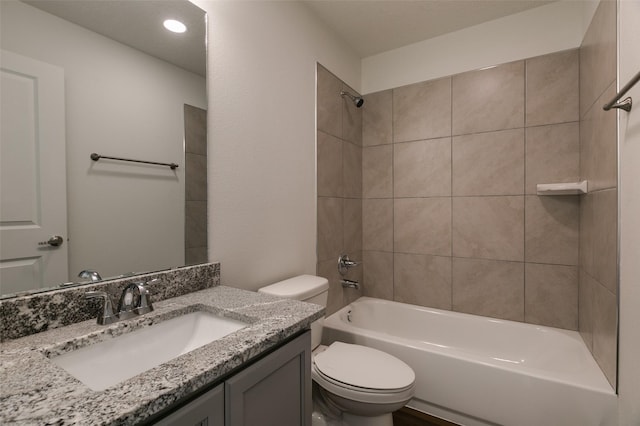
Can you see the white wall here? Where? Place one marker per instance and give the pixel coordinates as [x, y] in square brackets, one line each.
[629, 155]
[262, 155]
[119, 102]
[546, 29]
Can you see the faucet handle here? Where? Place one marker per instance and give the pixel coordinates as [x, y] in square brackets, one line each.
[344, 264]
[90, 275]
[145, 304]
[107, 316]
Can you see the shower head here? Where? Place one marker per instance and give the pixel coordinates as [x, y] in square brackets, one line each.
[357, 100]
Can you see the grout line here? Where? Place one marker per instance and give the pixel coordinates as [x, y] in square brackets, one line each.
[524, 201]
[393, 203]
[451, 188]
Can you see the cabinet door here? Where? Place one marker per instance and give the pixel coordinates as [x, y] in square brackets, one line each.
[275, 391]
[206, 410]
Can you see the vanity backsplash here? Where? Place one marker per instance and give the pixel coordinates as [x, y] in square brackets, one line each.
[25, 315]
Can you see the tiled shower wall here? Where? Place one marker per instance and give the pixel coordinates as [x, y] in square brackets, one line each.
[599, 208]
[339, 185]
[451, 218]
[195, 146]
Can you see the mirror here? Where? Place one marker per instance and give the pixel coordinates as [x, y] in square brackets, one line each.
[123, 90]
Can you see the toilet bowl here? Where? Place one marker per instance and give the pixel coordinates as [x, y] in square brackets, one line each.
[353, 384]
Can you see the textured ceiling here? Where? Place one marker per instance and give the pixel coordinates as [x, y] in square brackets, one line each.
[375, 26]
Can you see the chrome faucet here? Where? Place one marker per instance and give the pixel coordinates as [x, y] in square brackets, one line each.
[350, 284]
[344, 264]
[134, 300]
[90, 274]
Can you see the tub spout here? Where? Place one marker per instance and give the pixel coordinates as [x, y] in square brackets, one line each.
[350, 284]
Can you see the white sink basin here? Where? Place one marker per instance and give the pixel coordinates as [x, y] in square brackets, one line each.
[110, 362]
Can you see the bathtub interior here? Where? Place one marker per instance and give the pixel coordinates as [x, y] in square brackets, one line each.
[544, 351]
[460, 355]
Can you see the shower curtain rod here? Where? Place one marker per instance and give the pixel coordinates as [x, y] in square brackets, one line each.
[627, 103]
[96, 157]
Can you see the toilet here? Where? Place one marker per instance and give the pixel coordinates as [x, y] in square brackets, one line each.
[353, 385]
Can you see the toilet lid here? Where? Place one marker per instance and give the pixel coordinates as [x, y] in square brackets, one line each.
[363, 367]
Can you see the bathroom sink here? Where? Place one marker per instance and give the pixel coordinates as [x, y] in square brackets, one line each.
[112, 361]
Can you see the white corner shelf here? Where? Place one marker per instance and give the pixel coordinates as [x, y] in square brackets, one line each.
[569, 188]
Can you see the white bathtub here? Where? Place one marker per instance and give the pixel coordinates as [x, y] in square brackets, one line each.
[475, 370]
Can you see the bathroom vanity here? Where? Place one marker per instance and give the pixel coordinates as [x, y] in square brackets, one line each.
[261, 371]
[275, 390]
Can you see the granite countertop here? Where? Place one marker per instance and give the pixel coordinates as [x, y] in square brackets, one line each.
[33, 390]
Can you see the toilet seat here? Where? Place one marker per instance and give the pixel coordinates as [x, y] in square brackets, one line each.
[363, 374]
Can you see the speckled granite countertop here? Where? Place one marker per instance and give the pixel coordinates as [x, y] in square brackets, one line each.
[34, 391]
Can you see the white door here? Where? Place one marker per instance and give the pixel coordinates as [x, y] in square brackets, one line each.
[33, 201]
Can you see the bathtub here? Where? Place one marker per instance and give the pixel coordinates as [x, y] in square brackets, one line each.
[478, 371]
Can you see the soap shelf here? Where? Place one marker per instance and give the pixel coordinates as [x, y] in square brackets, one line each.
[569, 188]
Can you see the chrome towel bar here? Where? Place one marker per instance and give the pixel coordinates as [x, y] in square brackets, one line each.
[627, 103]
[96, 157]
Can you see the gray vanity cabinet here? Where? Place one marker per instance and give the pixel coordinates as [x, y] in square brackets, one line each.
[207, 410]
[273, 391]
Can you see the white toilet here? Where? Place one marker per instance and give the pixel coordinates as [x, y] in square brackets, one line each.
[353, 385]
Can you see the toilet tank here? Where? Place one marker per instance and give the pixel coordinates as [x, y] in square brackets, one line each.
[308, 288]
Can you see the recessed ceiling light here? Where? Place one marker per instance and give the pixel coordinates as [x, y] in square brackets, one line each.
[175, 26]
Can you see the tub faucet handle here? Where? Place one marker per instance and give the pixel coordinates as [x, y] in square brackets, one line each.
[344, 264]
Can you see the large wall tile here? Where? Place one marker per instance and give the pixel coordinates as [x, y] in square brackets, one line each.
[352, 170]
[490, 288]
[489, 227]
[585, 308]
[195, 255]
[330, 228]
[605, 323]
[195, 130]
[329, 103]
[489, 99]
[422, 225]
[599, 146]
[552, 154]
[329, 163]
[552, 229]
[551, 295]
[335, 299]
[422, 280]
[195, 224]
[599, 237]
[377, 224]
[598, 55]
[378, 274]
[352, 225]
[195, 177]
[587, 228]
[422, 168]
[422, 110]
[553, 88]
[377, 171]
[351, 118]
[605, 238]
[489, 163]
[377, 118]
